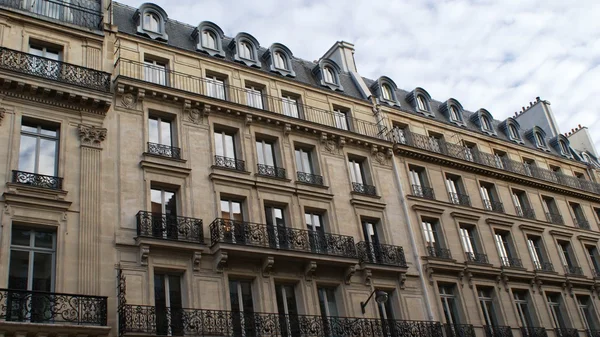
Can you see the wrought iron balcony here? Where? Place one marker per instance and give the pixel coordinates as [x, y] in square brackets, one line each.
[438, 252]
[169, 227]
[230, 163]
[573, 270]
[544, 266]
[64, 11]
[52, 308]
[497, 331]
[554, 218]
[259, 235]
[459, 330]
[512, 262]
[164, 150]
[54, 70]
[494, 206]
[525, 212]
[150, 320]
[592, 333]
[582, 223]
[364, 189]
[378, 253]
[534, 332]
[423, 192]
[477, 258]
[459, 199]
[309, 178]
[596, 273]
[37, 180]
[271, 171]
[566, 332]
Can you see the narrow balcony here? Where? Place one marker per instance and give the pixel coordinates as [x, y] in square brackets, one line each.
[497, 331]
[309, 178]
[494, 206]
[52, 308]
[544, 266]
[364, 189]
[423, 192]
[554, 218]
[378, 253]
[63, 11]
[438, 252]
[271, 171]
[582, 223]
[573, 270]
[566, 332]
[38, 66]
[230, 163]
[592, 333]
[157, 321]
[459, 330]
[477, 258]
[459, 199]
[162, 150]
[281, 238]
[37, 180]
[511, 262]
[534, 332]
[169, 227]
[525, 212]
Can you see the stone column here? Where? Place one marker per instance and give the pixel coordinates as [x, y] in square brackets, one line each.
[89, 213]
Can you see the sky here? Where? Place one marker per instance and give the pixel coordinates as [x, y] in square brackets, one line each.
[497, 55]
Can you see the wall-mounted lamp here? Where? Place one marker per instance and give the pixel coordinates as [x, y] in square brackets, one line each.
[380, 297]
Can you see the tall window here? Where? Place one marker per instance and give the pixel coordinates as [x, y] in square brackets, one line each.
[594, 259]
[215, 87]
[47, 68]
[160, 131]
[539, 140]
[587, 312]
[209, 40]
[421, 104]
[580, 220]
[566, 255]
[155, 71]
[486, 302]
[529, 165]
[168, 305]
[341, 119]
[467, 238]
[563, 147]
[357, 171]
[328, 75]
[290, 106]
[327, 302]
[522, 206]
[500, 157]
[386, 312]
[512, 132]
[287, 309]
[433, 240]
[231, 210]
[38, 152]
[521, 298]
[469, 149]
[386, 92]
[556, 310]
[254, 97]
[454, 114]
[304, 162]
[399, 134]
[449, 303]
[485, 123]
[504, 246]
[242, 305]
[535, 250]
[279, 61]
[551, 209]
[151, 22]
[265, 151]
[32, 259]
[418, 180]
[246, 51]
[164, 205]
[225, 145]
[454, 186]
[486, 195]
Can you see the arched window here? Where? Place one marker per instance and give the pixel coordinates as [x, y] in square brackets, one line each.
[563, 147]
[539, 141]
[279, 60]
[586, 157]
[245, 51]
[209, 40]
[151, 22]
[328, 75]
[485, 123]
[512, 130]
[387, 92]
[454, 114]
[421, 103]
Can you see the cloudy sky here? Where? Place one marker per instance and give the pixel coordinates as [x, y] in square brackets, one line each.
[497, 55]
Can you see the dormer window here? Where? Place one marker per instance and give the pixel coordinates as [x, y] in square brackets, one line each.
[453, 110]
[419, 100]
[485, 123]
[586, 157]
[421, 104]
[328, 75]
[209, 40]
[246, 49]
[209, 37]
[279, 61]
[539, 140]
[454, 114]
[563, 147]
[151, 22]
[386, 92]
[512, 131]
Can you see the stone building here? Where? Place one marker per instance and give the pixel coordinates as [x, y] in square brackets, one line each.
[166, 179]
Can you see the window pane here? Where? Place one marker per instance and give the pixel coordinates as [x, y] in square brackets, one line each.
[19, 269]
[260, 153]
[20, 237]
[229, 147]
[269, 160]
[225, 209]
[219, 150]
[47, 160]
[44, 240]
[42, 272]
[153, 130]
[170, 203]
[48, 131]
[156, 201]
[165, 130]
[27, 154]
[306, 162]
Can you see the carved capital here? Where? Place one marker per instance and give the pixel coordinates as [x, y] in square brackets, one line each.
[196, 260]
[248, 119]
[91, 135]
[141, 94]
[144, 253]
[206, 109]
[267, 266]
[341, 142]
[310, 270]
[349, 273]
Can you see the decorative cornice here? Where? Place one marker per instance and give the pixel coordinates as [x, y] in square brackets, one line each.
[428, 209]
[587, 238]
[499, 222]
[561, 233]
[465, 216]
[91, 135]
[531, 228]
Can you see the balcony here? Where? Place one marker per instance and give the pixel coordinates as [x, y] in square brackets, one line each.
[554, 218]
[511, 262]
[54, 70]
[494, 206]
[157, 321]
[271, 171]
[378, 253]
[543, 266]
[52, 308]
[525, 212]
[459, 330]
[566, 332]
[169, 227]
[534, 332]
[592, 333]
[477, 258]
[582, 223]
[497, 331]
[573, 270]
[282, 238]
[230, 163]
[438, 252]
[164, 150]
[309, 178]
[423, 192]
[63, 11]
[459, 199]
[37, 180]
[364, 189]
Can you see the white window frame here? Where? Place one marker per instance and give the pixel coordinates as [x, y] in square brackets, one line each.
[268, 157]
[386, 92]
[279, 60]
[328, 75]
[215, 87]
[357, 171]
[341, 119]
[209, 40]
[254, 97]
[156, 71]
[301, 165]
[290, 106]
[246, 51]
[224, 138]
[421, 104]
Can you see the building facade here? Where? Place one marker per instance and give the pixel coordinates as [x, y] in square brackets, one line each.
[166, 179]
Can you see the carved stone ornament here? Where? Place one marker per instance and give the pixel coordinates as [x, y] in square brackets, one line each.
[221, 262]
[128, 101]
[267, 266]
[330, 146]
[195, 116]
[2, 113]
[349, 273]
[402, 281]
[91, 135]
[380, 158]
[196, 260]
[310, 270]
[368, 277]
[144, 253]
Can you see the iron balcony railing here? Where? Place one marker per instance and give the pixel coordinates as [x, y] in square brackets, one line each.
[87, 14]
[37, 180]
[271, 171]
[277, 237]
[309, 178]
[473, 155]
[169, 227]
[566, 332]
[378, 253]
[230, 163]
[534, 332]
[459, 330]
[423, 192]
[525, 212]
[52, 308]
[544, 266]
[150, 320]
[512, 262]
[592, 333]
[254, 99]
[164, 150]
[596, 273]
[582, 223]
[494, 206]
[459, 199]
[573, 270]
[438, 252]
[54, 70]
[497, 331]
[364, 189]
[477, 258]
[554, 218]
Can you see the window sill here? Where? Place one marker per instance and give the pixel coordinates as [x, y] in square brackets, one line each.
[374, 196]
[325, 187]
[230, 169]
[272, 177]
[147, 154]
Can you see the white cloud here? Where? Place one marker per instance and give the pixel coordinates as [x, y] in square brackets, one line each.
[498, 54]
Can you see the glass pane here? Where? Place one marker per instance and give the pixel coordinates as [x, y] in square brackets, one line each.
[236, 210]
[219, 149]
[170, 203]
[260, 153]
[247, 297]
[42, 272]
[27, 154]
[233, 296]
[299, 164]
[225, 209]
[269, 160]
[47, 164]
[156, 201]
[160, 298]
[19, 270]
[175, 291]
[153, 130]
[306, 162]
[36, 51]
[165, 131]
[44, 240]
[331, 303]
[27, 128]
[52, 54]
[46, 131]
[20, 237]
[229, 147]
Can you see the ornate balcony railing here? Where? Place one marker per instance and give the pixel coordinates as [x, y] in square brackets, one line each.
[271, 171]
[199, 322]
[230, 163]
[164, 150]
[477, 258]
[592, 333]
[88, 14]
[494, 206]
[497, 331]
[459, 199]
[459, 330]
[52, 308]
[54, 70]
[37, 180]
[473, 155]
[511, 262]
[573, 270]
[554, 218]
[309, 178]
[423, 192]
[596, 273]
[544, 266]
[534, 332]
[566, 332]
[381, 254]
[582, 223]
[364, 189]
[525, 212]
[438, 252]
[169, 227]
[252, 234]
[207, 87]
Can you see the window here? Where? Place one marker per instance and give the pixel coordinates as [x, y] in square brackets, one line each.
[371, 235]
[467, 238]
[168, 305]
[328, 75]
[586, 309]
[151, 22]
[563, 148]
[155, 71]
[341, 118]
[421, 103]
[215, 87]
[594, 259]
[435, 142]
[231, 210]
[579, 216]
[149, 19]
[386, 92]
[246, 51]
[534, 245]
[386, 312]
[418, 181]
[449, 303]
[455, 188]
[240, 298]
[551, 209]
[454, 114]
[267, 159]
[579, 175]
[327, 302]
[433, 239]
[358, 173]
[304, 161]
[160, 131]
[48, 68]
[38, 151]
[314, 224]
[275, 217]
[521, 298]
[225, 144]
[566, 256]
[556, 311]
[500, 157]
[163, 201]
[539, 140]
[290, 105]
[529, 165]
[32, 261]
[469, 149]
[279, 60]
[522, 206]
[513, 132]
[486, 302]
[287, 309]
[209, 40]
[490, 198]
[485, 123]
[254, 96]
[505, 249]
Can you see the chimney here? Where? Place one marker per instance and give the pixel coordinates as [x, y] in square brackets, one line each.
[342, 53]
